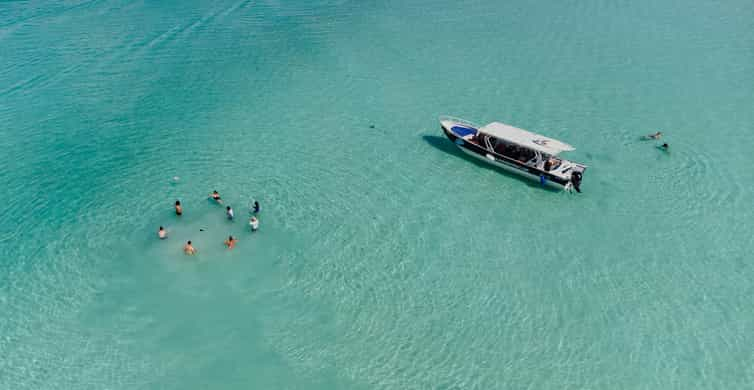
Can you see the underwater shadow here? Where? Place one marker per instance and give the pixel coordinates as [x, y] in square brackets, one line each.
[443, 144]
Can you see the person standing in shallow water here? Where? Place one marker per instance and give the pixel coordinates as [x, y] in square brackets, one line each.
[189, 249]
[256, 207]
[162, 233]
[230, 242]
[229, 213]
[178, 208]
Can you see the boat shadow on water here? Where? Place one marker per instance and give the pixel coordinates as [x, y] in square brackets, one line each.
[444, 145]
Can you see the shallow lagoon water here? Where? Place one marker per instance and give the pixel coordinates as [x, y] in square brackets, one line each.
[385, 259]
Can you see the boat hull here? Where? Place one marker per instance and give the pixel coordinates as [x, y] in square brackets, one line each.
[502, 162]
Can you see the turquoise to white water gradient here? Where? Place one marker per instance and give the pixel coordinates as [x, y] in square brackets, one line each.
[385, 259]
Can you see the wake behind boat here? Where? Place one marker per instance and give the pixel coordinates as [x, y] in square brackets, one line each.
[516, 150]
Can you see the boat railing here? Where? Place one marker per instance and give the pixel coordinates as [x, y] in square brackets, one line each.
[459, 120]
[534, 167]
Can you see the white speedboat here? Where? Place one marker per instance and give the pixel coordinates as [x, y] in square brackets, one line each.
[516, 150]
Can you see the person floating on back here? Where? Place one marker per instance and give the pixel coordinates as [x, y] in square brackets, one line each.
[162, 233]
[189, 249]
[216, 196]
[178, 208]
[256, 207]
[230, 242]
[229, 213]
[656, 135]
[254, 223]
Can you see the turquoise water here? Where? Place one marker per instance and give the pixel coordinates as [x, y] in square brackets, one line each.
[385, 259]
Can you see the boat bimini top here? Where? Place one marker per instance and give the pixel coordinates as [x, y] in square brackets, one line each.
[526, 138]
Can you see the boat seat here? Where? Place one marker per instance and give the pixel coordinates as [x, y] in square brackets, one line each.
[463, 131]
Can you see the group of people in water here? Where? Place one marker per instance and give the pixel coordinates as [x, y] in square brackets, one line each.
[231, 241]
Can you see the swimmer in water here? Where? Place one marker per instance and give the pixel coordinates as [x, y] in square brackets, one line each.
[229, 213]
[162, 233]
[254, 223]
[664, 147]
[256, 207]
[189, 249]
[656, 135]
[230, 242]
[216, 196]
[178, 208]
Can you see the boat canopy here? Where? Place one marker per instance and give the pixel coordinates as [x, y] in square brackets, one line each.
[525, 138]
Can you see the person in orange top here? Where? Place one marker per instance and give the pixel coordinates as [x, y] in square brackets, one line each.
[230, 242]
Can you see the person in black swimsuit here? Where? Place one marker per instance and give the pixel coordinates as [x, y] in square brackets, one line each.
[216, 196]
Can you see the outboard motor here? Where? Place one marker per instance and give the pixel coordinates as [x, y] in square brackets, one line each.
[576, 180]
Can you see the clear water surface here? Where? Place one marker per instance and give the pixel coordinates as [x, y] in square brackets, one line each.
[385, 259]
